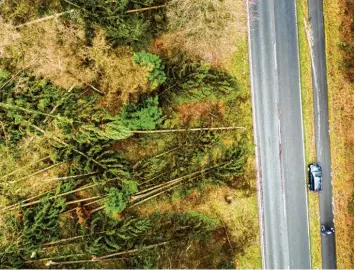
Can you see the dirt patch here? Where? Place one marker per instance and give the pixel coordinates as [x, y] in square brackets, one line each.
[193, 113]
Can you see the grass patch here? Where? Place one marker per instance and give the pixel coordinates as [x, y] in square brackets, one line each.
[308, 126]
[338, 19]
[339, 38]
[239, 67]
[240, 216]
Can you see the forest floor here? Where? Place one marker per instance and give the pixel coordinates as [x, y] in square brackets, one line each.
[91, 176]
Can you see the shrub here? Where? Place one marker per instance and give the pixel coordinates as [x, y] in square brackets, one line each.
[41, 223]
[119, 235]
[121, 28]
[118, 76]
[117, 199]
[155, 66]
[190, 81]
[144, 116]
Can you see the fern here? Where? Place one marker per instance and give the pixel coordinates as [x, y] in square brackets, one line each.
[232, 163]
[119, 235]
[41, 223]
[4, 75]
[10, 257]
[154, 64]
[145, 116]
[121, 28]
[117, 199]
[195, 81]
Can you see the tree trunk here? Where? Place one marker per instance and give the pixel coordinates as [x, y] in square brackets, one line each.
[57, 15]
[35, 173]
[145, 9]
[24, 167]
[183, 130]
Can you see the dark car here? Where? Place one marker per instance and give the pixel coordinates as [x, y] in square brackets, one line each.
[315, 177]
[325, 230]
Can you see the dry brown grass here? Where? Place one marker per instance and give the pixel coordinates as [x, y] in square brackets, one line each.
[21, 11]
[208, 30]
[192, 114]
[7, 37]
[57, 51]
[52, 50]
[341, 108]
[120, 78]
[22, 183]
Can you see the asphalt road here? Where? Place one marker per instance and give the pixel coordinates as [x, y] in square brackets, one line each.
[321, 126]
[278, 134]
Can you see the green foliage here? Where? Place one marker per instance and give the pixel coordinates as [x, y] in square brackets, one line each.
[97, 159]
[119, 235]
[179, 230]
[145, 261]
[113, 130]
[3, 75]
[10, 257]
[117, 199]
[31, 101]
[145, 116]
[24, 102]
[86, 130]
[232, 163]
[157, 75]
[228, 265]
[41, 223]
[191, 153]
[122, 28]
[195, 81]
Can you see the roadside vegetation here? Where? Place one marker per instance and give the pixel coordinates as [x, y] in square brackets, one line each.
[308, 125]
[339, 33]
[126, 136]
[338, 19]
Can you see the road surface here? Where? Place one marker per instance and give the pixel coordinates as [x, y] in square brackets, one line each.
[321, 126]
[278, 134]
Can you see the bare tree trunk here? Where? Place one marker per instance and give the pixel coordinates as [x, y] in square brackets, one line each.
[83, 200]
[95, 89]
[24, 167]
[12, 78]
[183, 130]
[102, 258]
[66, 240]
[128, 251]
[37, 172]
[17, 205]
[145, 9]
[157, 194]
[57, 15]
[71, 177]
